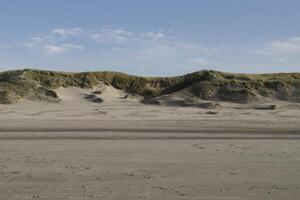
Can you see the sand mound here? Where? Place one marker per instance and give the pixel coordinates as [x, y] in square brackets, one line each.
[71, 94]
[109, 93]
[99, 94]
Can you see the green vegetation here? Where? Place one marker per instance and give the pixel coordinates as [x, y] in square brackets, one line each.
[207, 84]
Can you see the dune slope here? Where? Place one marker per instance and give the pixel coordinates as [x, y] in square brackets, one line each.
[203, 85]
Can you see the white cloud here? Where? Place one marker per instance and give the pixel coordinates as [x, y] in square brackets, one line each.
[288, 46]
[121, 40]
[73, 46]
[36, 41]
[284, 47]
[198, 61]
[56, 49]
[52, 49]
[49, 44]
[67, 31]
[109, 35]
[113, 36]
[155, 51]
[106, 35]
[280, 60]
[152, 35]
[122, 47]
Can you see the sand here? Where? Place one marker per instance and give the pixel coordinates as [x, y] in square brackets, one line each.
[122, 149]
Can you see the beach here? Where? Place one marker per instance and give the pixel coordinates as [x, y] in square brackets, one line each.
[122, 149]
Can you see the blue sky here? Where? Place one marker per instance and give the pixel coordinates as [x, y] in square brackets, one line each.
[157, 37]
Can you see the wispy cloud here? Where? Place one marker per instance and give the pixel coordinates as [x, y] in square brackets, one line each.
[111, 36]
[140, 51]
[106, 35]
[156, 49]
[151, 44]
[50, 45]
[64, 32]
[153, 35]
[52, 49]
[55, 49]
[198, 61]
[289, 46]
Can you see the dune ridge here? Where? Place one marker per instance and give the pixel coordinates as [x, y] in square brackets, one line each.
[186, 90]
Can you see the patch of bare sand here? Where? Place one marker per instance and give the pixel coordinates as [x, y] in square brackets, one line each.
[78, 95]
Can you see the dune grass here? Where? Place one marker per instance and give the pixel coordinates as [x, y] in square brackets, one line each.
[206, 84]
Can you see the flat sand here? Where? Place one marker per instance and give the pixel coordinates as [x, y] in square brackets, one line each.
[122, 149]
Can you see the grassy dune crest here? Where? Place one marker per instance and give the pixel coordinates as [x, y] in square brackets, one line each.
[33, 84]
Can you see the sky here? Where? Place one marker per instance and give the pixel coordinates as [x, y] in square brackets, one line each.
[153, 38]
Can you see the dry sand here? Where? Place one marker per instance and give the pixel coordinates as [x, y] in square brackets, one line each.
[121, 149]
